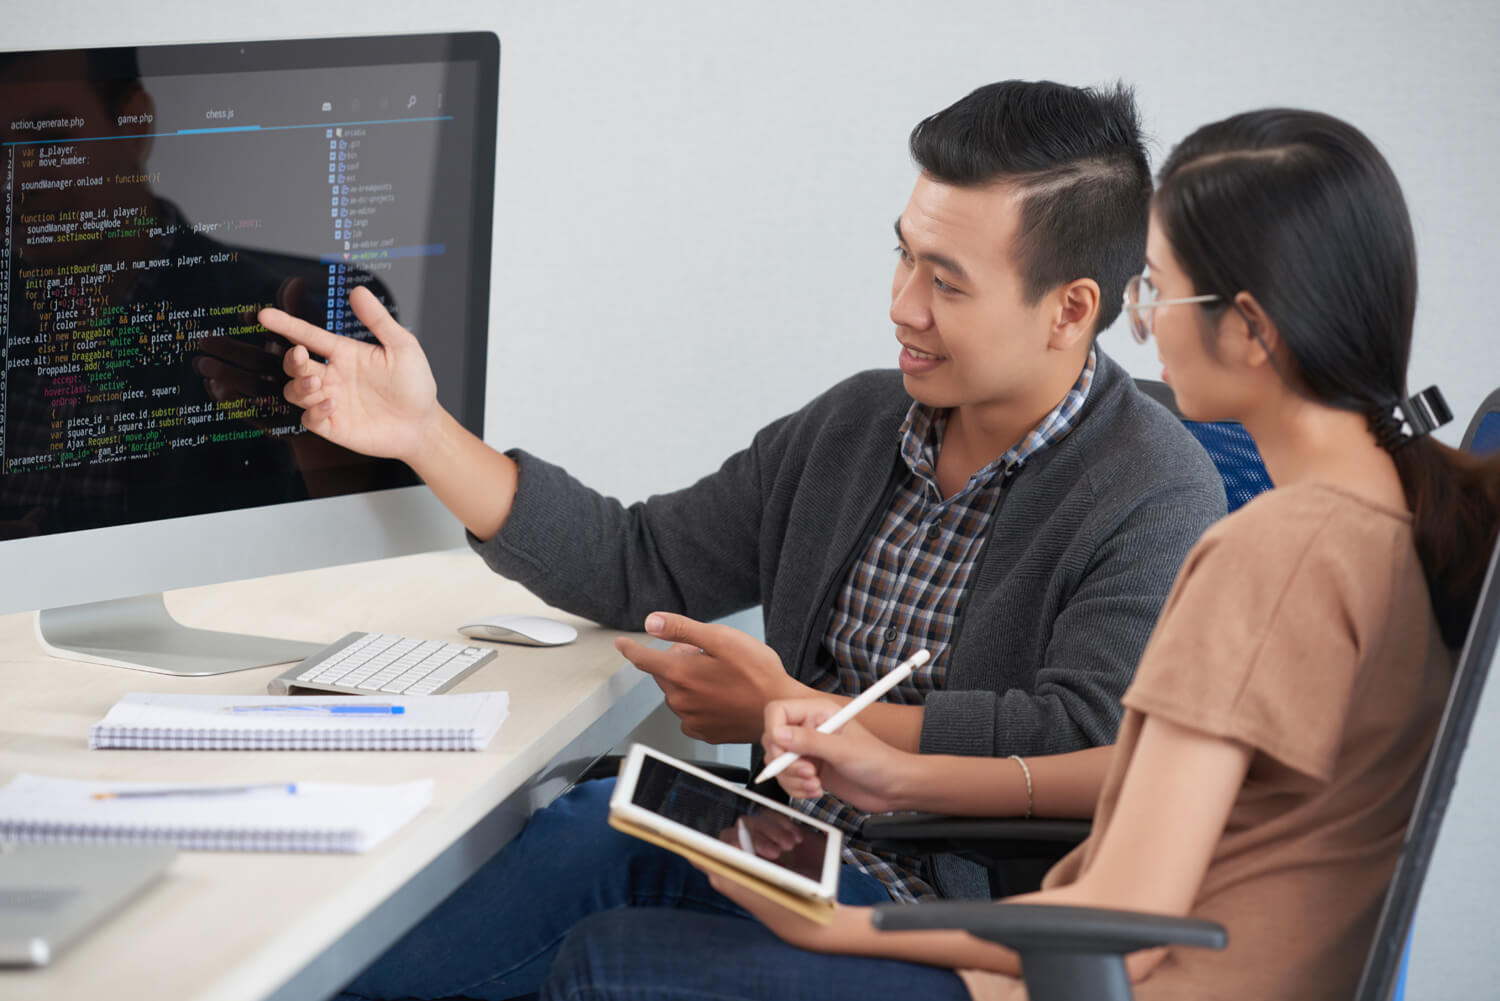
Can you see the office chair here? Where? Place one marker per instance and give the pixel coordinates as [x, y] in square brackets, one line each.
[1077, 953]
[1483, 434]
[1015, 852]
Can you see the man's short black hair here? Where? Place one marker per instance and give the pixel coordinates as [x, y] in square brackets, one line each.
[1076, 155]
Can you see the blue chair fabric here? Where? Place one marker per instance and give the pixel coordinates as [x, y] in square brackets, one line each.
[1486, 438]
[1234, 454]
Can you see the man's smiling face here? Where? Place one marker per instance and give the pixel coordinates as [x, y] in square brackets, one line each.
[968, 336]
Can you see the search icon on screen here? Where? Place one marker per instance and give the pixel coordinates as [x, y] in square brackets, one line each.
[411, 102]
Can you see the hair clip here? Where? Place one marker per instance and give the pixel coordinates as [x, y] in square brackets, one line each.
[1397, 423]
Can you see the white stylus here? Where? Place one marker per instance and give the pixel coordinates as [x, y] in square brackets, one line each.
[844, 715]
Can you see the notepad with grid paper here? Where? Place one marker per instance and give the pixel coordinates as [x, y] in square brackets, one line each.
[173, 722]
[316, 817]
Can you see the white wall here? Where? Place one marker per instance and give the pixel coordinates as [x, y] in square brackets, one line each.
[695, 199]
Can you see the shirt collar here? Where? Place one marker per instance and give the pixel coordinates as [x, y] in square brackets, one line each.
[922, 431]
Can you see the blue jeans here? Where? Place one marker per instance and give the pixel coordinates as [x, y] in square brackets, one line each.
[496, 936]
[662, 955]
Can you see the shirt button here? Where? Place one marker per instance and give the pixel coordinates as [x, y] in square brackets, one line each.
[934, 530]
[890, 634]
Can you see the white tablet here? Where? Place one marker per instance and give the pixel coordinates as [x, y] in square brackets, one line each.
[722, 820]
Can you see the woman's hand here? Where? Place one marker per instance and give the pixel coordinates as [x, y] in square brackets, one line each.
[853, 764]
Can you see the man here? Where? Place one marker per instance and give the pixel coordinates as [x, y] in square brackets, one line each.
[1008, 501]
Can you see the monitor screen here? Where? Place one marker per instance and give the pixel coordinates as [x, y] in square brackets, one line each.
[158, 197]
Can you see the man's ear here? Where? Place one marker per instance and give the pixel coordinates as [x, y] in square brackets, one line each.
[1249, 335]
[1076, 312]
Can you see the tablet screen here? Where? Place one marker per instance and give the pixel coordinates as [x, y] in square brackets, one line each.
[724, 815]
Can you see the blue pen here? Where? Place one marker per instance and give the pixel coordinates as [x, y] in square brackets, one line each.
[331, 709]
[289, 788]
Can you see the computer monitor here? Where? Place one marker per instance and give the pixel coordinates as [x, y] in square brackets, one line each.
[156, 198]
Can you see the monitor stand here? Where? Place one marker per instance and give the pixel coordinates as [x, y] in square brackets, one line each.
[139, 633]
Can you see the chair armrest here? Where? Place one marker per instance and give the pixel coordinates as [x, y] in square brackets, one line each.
[1024, 927]
[930, 833]
[1067, 953]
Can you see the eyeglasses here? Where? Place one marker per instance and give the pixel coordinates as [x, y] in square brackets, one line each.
[1140, 300]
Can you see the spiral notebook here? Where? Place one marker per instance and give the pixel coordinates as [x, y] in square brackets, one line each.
[277, 817]
[170, 722]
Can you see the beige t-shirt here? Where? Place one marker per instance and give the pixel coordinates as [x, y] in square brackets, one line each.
[1301, 626]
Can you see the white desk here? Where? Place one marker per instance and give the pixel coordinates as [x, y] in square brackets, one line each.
[242, 926]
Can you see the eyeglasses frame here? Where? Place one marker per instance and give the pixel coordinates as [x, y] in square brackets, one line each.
[1140, 327]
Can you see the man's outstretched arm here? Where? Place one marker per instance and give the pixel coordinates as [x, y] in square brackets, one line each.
[380, 399]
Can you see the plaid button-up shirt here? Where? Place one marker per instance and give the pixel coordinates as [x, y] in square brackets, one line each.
[905, 592]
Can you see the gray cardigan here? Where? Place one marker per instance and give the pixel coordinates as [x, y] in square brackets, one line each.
[1080, 553]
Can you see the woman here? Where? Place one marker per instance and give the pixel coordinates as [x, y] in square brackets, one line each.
[1277, 728]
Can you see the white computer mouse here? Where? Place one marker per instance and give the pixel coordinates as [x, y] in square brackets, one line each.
[527, 630]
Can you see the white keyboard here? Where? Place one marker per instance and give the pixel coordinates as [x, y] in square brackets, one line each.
[382, 664]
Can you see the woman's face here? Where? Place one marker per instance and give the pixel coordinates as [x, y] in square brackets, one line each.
[1205, 388]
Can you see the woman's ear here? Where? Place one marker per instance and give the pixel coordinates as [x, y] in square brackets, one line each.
[1249, 334]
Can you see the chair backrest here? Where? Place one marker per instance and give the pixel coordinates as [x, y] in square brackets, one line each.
[1483, 434]
[1383, 965]
[1227, 443]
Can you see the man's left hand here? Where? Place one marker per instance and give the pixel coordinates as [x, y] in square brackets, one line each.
[715, 678]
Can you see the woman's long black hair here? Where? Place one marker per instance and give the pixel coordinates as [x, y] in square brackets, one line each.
[1300, 210]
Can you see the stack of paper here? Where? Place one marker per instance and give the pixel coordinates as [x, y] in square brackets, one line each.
[301, 723]
[279, 817]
